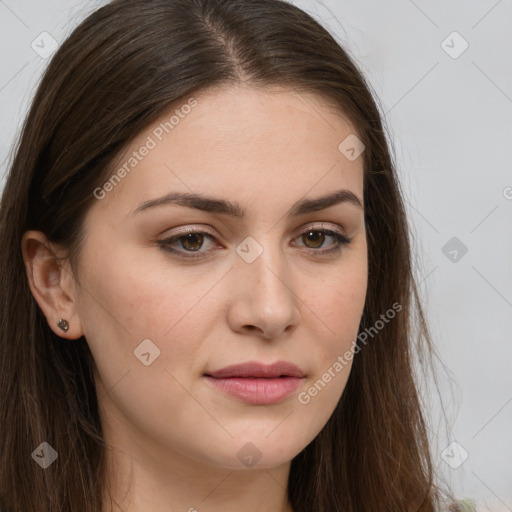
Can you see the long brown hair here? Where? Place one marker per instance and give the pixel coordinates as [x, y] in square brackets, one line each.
[119, 70]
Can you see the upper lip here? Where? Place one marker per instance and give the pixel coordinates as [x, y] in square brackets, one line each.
[256, 369]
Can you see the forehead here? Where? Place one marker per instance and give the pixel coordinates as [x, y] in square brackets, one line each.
[253, 144]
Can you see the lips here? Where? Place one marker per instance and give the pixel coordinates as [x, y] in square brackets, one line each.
[258, 370]
[257, 383]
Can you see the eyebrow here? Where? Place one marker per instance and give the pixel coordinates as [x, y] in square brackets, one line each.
[222, 206]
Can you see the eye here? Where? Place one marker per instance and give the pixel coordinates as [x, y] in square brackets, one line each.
[315, 237]
[191, 241]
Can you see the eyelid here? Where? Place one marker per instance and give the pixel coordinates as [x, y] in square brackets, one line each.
[184, 230]
[320, 226]
[341, 239]
[308, 226]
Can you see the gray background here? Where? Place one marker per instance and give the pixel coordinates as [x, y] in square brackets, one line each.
[450, 120]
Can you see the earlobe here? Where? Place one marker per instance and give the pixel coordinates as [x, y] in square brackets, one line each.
[50, 282]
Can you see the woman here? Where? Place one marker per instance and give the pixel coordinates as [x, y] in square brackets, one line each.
[207, 275]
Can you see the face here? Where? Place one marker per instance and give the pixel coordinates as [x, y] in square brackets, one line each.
[163, 311]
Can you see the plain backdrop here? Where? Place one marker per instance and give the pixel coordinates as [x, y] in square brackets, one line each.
[442, 74]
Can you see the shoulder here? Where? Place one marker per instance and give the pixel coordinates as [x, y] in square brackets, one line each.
[465, 505]
[469, 505]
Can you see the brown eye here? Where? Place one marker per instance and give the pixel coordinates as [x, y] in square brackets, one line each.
[315, 237]
[189, 243]
[192, 241]
[315, 240]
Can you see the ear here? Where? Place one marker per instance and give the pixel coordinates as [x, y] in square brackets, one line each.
[51, 283]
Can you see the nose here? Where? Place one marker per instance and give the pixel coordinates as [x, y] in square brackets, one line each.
[262, 296]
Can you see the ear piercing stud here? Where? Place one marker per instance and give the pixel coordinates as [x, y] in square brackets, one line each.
[63, 324]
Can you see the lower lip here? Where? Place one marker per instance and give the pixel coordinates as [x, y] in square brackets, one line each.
[257, 391]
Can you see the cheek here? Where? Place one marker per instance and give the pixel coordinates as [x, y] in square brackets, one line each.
[126, 305]
[129, 299]
[336, 305]
[335, 311]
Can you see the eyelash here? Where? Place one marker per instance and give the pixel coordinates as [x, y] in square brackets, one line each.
[341, 241]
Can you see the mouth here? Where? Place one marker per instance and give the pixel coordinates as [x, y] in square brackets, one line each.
[256, 383]
[259, 370]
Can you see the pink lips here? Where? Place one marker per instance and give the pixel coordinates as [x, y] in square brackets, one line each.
[257, 383]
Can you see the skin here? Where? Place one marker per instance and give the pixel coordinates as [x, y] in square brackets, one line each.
[174, 438]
